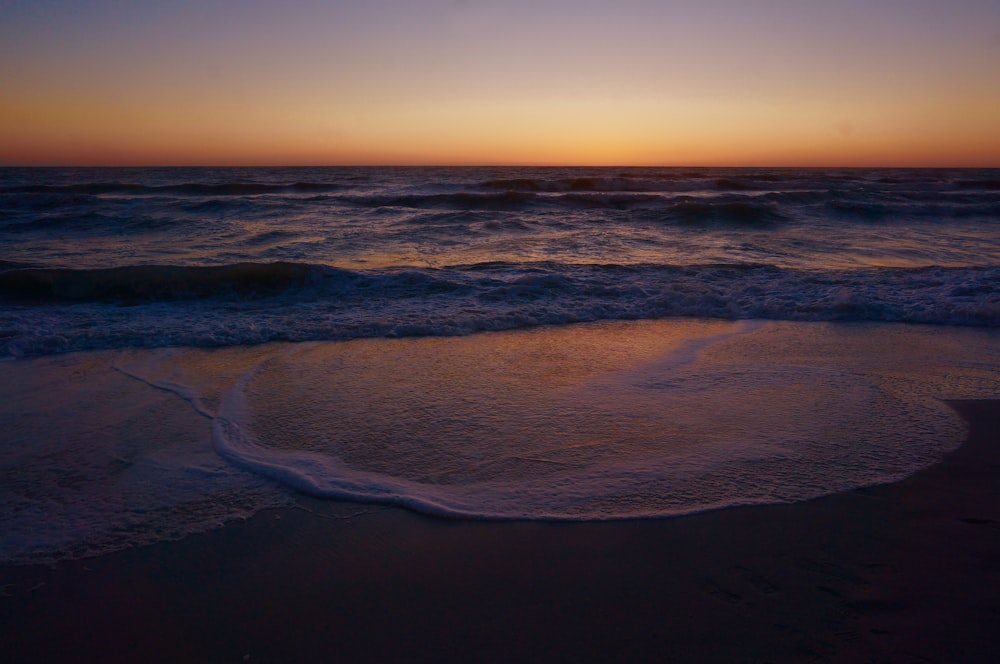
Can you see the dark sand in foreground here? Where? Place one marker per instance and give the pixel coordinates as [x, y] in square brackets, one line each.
[908, 572]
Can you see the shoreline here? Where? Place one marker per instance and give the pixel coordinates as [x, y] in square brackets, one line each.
[902, 572]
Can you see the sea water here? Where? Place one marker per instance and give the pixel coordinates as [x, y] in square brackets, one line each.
[792, 334]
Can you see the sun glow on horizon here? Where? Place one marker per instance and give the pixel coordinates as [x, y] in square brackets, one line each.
[462, 83]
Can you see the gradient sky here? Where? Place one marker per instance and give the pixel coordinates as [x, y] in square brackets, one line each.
[715, 82]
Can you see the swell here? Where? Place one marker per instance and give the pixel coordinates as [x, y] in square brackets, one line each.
[650, 181]
[50, 310]
[507, 200]
[72, 209]
[151, 282]
[188, 188]
[740, 210]
[92, 221]
[137, 284]
[557, 185]
[747, 290]
[736, 212]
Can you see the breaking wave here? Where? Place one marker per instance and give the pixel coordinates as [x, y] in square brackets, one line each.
[151, 282]
[48, 310]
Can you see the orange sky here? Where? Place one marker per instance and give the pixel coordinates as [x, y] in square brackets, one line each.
[774, 82]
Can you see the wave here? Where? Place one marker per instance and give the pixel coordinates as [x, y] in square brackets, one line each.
[290, 419]
[684, 209]
[533, 466]
[736, 184]
[44, 201]
[52, 310]
[512, 201]
[150, 282]
[984, 184]
[190, 188]
[652, 181]
[595, 184]
[507, 200]
[12, 265]
[681, 209]
[742, 213]
[734, 206]
[91, 221]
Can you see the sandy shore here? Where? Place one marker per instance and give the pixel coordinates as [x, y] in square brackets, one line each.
[908, 572]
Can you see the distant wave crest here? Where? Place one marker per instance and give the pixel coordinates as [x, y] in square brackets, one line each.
[190, 188]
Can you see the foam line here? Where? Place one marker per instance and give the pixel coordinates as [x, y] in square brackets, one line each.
[183, 391]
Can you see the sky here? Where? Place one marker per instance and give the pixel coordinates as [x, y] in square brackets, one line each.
[520, 82]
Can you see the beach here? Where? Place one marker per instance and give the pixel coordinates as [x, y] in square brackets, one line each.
[902, 572]
[499, 414]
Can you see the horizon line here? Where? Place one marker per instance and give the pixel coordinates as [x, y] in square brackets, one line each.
[516, 165]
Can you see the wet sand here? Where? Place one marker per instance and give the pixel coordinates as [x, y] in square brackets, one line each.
[908, 572]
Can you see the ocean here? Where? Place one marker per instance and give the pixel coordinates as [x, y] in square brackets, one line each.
[109, 258]
[185, 346]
